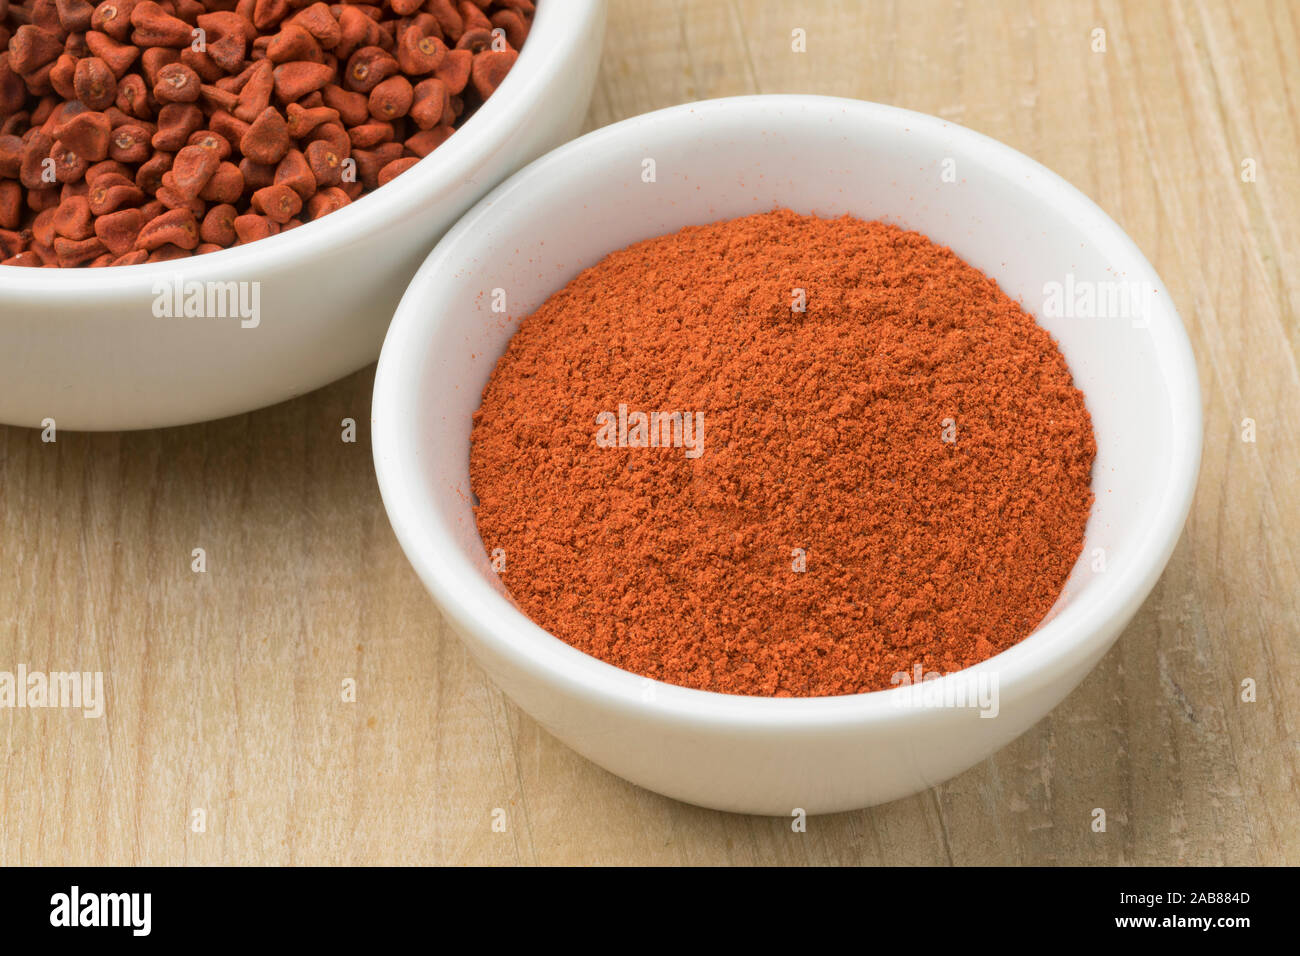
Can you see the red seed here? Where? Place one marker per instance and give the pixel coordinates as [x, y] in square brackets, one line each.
[295, 172]
[225, 186]
[118, 230]
[490, 68]
[118, 57]
[77, 252]
[177, 83]
[176, 227]
[295, 80]
[396, 168]
[155, 27]
[321, 24]
[293, 42]
[120, 133]
[278, 202]
[31, 48]
[218, 226]
[192, 168]
[177, 122]
[369, 67]
[419, 54]
[454, 70]
[88, 135]
[113, 17]
[251, 227]
[130, 144]
[391, 99]
[73, 219]
[267, 139]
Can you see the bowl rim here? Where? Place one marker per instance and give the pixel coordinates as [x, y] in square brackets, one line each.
[474, 607]
[548, 51]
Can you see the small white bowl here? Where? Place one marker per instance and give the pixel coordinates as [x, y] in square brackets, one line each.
[84, 346]
[720, 159]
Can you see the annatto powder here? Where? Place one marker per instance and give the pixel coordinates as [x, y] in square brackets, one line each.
[783, 456]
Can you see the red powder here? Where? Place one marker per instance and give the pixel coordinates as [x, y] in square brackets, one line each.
[897, 475]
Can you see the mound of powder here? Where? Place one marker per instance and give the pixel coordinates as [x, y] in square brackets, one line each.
[895, 475]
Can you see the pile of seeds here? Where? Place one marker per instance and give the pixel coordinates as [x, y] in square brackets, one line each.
[139, 131]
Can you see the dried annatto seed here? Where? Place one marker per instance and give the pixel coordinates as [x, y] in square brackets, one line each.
[177, 122]
[177, 83]
[454, 70]
[371, 161]
[77, 252]
[87, 135]
[514, 26]
[278, 202]
[267, 139]
[210, 140]
[369, 67]
[326, 201]
[293, 42]
[303, 120]
[69, 166]
[250, 227]
[11, 204]
[295, 172]
[73, 218]
[153, 59]
[473, 16]
[113, 17]
[490, 68]
[125, 124]
[31, 48]
[334, 134]
[371, 134]
[396, 168]
[417, 54]
[352, 107]
[192, 168]
[118, 230]
[449, 20]
[321, 24]
[130, 143]
[219, 225]
[149, 176]
[427, 140]
[133, 97]
[225, 186]
[175, 227]
[110, 193]
[295, 80]
[94, 83]
[429, 103]
[325, 163]
[255, 175]
[391, 99]
[475, 40]
[117, 56]
[154, 26]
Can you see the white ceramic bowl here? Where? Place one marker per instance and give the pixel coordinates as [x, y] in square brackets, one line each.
[84, 347]
[1004, 213]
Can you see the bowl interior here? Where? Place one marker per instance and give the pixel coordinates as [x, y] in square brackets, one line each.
[1044, 243]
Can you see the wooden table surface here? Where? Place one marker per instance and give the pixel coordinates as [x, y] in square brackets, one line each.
[224, 688]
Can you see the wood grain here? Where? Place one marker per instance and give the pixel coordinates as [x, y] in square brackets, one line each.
[224, 687]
